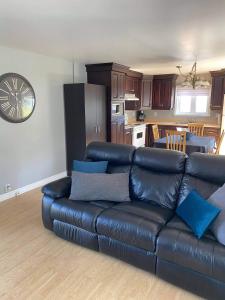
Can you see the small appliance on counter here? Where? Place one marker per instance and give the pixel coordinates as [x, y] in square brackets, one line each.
[140, 116]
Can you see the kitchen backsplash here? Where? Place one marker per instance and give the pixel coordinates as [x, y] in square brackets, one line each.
[169, 116]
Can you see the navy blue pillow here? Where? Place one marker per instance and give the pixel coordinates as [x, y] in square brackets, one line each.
[90, 166]
[188, 135]
[197, 213]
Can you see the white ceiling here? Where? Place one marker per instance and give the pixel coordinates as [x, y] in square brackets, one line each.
[151, 36]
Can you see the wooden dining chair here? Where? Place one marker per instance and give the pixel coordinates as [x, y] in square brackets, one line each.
[196, 128]
[155, 131]
[219, 142]
[176, 140]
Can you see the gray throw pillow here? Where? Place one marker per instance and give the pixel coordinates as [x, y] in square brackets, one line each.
[218, 226]
[91, 187]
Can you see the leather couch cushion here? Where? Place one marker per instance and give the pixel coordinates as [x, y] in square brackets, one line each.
[204, 173]
[160, 160]
[207, 167]
[155, 187]
[203, 187]
[156, 176]
[205, 256]
[58, 189]
[177, 223]
[136, 223]
[78, 213]
[119, 156]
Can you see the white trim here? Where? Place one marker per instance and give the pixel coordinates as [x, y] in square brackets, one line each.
[31, 186]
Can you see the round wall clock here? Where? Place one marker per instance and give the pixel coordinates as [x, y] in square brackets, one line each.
[17, 98]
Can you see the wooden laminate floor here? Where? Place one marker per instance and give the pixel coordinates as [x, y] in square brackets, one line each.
[35, 264]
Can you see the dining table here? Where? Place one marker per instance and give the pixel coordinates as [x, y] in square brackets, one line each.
[204, 144]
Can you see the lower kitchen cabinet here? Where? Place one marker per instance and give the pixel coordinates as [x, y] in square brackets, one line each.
[128, 136]
[117, 129]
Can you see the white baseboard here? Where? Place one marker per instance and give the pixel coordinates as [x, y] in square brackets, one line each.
[31, 186]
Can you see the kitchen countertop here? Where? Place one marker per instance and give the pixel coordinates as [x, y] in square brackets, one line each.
[148, 122]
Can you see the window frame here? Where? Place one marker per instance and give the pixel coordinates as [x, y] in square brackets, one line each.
[193, 93]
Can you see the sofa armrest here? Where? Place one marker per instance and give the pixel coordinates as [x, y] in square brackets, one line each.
[58, 189]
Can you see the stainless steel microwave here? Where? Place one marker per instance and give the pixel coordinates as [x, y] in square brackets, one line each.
[117, 108]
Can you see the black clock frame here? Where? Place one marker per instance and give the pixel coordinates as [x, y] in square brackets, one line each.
[11, 74]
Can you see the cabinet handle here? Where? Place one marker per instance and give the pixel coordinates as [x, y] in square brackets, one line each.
[99, 128]
[96, 129]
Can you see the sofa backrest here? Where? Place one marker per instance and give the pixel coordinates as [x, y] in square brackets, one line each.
[204, 173]
[156, 176]
[120, 157]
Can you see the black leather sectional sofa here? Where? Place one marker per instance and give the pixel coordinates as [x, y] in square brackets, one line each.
[146, 231]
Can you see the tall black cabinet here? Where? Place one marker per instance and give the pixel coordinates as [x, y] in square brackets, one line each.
[85, 118]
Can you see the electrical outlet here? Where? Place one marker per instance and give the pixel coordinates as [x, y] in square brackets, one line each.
[8, 187]
[155, 114]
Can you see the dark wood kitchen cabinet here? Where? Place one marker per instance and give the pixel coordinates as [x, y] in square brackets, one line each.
[129, 85]
[117, 130]
[85, 118]
[218, 89]
[133, 85]
[118, 85]
[163, 91]
[128, 136]
[146, 92]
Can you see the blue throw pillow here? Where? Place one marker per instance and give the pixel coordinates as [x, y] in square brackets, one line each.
[90, 166]
[188, 135]
[197, 213]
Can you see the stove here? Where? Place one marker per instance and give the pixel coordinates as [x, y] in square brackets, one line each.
[138, 135]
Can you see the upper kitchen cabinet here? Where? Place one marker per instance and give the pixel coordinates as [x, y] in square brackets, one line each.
[118, 85]
[133, 86]
[218, 89]
[163, 91]
[146, 92]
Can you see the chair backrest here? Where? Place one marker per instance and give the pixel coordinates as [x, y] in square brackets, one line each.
[176, 140]
[219, 143]
[155, 131]
[196, 128]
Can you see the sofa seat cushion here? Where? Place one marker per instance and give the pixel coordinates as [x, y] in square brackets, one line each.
[205, 256]
[177, 223]
[79, 213]
[136, 223]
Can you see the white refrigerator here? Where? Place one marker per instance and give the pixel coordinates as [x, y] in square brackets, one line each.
[222, 149]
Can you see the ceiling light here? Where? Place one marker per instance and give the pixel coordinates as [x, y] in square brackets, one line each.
[192, 80]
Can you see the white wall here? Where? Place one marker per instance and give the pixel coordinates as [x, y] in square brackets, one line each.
[35, 149]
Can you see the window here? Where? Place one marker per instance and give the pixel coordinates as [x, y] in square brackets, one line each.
[192, 102]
